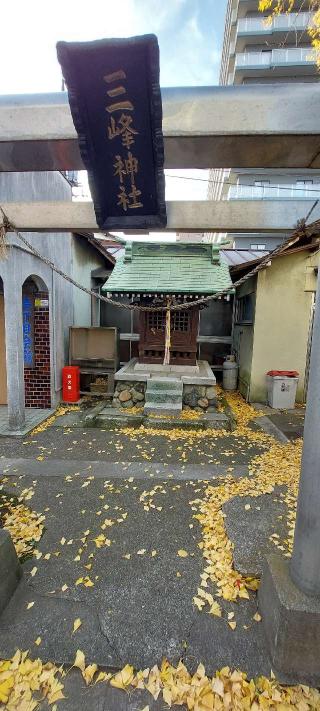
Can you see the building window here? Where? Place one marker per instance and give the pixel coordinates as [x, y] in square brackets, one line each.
[262, 188]
[257, 246]
[304, 188]
[244, 309]
[156, 320]
[180, 321]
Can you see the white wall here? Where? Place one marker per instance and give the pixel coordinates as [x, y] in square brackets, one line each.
[84, 260]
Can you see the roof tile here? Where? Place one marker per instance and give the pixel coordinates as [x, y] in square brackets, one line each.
[168, 268]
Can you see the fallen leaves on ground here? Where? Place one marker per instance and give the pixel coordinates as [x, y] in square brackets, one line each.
[59, 412]
[20, 677]
[77, 623]
[278, 466]
[25, 526]
[124, 678]
[226, 690]
[182, 553]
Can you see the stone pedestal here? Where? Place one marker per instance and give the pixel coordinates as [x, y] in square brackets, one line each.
[291, 621]
[198, 384]
[10, 569]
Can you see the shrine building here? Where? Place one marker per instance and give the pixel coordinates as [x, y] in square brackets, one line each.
[161, 276]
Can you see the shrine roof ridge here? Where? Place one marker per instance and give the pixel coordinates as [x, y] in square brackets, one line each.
[169, 269]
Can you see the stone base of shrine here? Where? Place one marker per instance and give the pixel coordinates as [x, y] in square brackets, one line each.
[198, 384]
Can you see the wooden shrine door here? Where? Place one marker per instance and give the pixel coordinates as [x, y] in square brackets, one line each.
[184, 332]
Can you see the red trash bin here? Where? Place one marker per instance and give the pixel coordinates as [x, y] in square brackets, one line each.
[71, 383]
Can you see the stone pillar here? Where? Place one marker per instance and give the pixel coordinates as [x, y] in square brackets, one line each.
[289, 596]
[305, 564]
[14, 351]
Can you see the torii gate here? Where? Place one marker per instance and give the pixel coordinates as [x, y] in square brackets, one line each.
[259, 126]
[269, 126]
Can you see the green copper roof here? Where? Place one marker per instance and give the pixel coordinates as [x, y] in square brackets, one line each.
[169, 269]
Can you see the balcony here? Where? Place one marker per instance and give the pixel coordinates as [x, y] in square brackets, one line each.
[300, 61]
[274, 192]
[276, 58]
[281, 23]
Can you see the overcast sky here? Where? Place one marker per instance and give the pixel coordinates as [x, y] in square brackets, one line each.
[190, 34]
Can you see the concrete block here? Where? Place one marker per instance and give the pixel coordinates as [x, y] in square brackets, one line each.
[173, 410]
[10, 569]
[217, 420]
[207, 381]
[163, 397]
[291, 622]
[164, 384]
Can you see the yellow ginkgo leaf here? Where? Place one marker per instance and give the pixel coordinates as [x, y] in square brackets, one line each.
[123, 678]
[37, 641]
[218, 687]
[257, 617]
[89, 672]
[55, 693]
[198, 602]
[102, 676]
[29, 605]
[215, 609]
[167, 696]
[77, 623]
[182, 554]
[141, 551]
[5, 688]
[79, 660]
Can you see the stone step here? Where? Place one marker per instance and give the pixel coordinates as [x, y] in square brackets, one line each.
[163, 396]
[159, 409]
[156, 384]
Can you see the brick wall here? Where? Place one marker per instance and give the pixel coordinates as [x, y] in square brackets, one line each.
[37, 379]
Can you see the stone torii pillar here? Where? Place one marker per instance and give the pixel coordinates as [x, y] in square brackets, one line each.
[305, 564]
[14, 349]
[289, 596]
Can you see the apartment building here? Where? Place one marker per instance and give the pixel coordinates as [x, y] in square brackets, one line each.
[256, 50]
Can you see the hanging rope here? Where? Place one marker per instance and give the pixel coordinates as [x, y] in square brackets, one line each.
[3, 243]
[302, 230]
[166, 360]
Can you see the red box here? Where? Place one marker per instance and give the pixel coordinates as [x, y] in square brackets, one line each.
[71, 383]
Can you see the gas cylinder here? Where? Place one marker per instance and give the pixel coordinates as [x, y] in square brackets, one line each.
[230, 373]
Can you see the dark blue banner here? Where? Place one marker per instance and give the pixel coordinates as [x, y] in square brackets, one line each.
[115, 101]
[28, 330]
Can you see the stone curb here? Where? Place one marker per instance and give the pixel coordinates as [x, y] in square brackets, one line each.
[10, 569]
